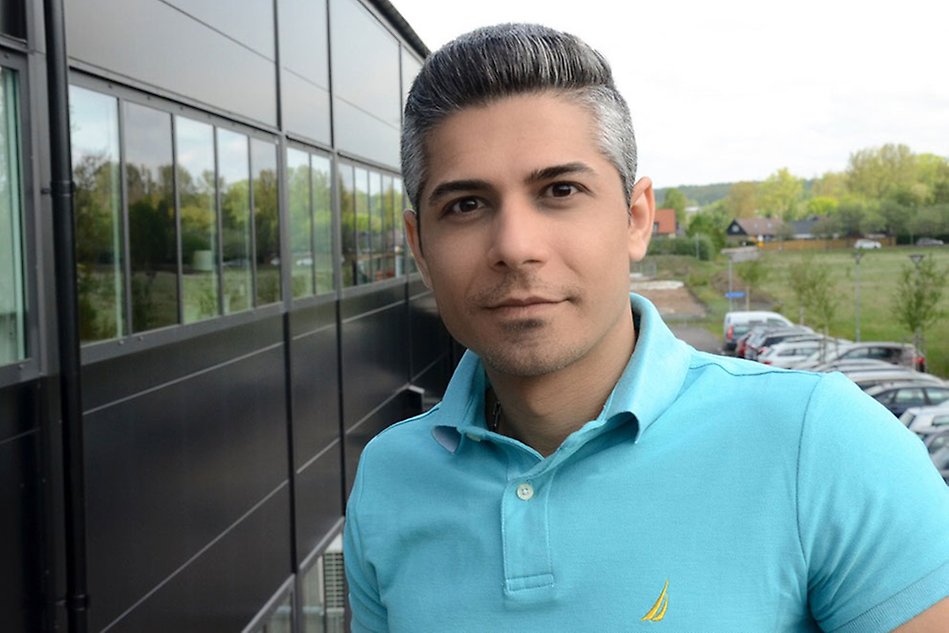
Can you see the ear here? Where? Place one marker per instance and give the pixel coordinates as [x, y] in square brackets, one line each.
[642, 214]
[410, 218]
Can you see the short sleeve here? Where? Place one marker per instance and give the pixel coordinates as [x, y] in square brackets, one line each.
[873, 514]
[368, 613]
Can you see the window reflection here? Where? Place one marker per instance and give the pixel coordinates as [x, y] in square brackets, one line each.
[234, 183]
[388, 226]
[266, 224]
[347, 211]
[151, 209]
[97, 201]
[362, 270]
[12, 298]
[403, 258]
[322, 223]
[282, 619]
[301, 227]
[199, 245]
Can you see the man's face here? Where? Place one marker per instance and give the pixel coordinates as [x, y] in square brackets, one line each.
[526, 236]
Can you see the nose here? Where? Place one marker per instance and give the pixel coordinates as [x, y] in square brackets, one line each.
[519, 236]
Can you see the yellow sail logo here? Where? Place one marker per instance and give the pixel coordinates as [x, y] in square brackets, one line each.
[658, 610]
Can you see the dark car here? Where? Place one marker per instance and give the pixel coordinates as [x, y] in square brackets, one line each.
[899, 397]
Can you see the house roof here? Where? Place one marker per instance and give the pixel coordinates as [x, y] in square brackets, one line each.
[755, 226]
[665, 222]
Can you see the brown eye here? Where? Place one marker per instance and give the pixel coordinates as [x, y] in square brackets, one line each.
[465, 205]
[562, 189]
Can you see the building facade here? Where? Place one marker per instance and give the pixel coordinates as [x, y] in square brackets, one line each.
[190, 368]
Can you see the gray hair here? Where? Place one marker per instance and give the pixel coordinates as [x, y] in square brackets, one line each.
[510, 59]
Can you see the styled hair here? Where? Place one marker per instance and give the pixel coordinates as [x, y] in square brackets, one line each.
[494, 62]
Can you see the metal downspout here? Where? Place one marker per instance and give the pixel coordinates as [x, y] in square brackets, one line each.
[61, 200]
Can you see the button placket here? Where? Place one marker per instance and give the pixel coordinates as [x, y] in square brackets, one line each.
[528, 572]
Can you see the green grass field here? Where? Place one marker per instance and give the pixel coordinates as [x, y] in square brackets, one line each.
[879, 273]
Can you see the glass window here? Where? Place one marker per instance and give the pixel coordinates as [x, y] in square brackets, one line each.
[387, 249]
[909, 397]
[375, 264]
[151, 212]
[263, 159]
[12, 295]
[347, 209]
[314, 604]
[234, 182]
[100, 254]
[199, 243]
[362, 271]
[282, 619]
[322, 223]
[301, 226]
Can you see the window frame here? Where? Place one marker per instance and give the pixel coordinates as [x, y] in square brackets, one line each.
[133, 342]
[31, 365]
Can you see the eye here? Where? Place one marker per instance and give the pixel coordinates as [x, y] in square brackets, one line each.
[464, 206]
[562, 189]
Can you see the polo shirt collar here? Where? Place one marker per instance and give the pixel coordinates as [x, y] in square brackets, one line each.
[647, 387]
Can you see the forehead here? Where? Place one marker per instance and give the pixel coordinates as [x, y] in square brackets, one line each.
[510, 137]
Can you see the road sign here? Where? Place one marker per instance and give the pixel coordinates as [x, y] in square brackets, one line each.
[735, 294]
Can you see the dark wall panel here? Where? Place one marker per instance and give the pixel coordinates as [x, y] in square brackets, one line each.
[375, 360]
[20, 534]
[228, 584]
[429, 339]
[314, 368]
[125, 376]
[169, 470]
[357, 438]
[159, 44]
[319, 489]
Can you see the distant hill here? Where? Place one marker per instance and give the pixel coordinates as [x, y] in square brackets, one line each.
[699, 194]
[703, 195]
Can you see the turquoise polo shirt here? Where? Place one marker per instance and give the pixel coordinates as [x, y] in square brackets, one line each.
[710, 495]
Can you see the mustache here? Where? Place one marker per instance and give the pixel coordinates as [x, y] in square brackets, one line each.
[523, 285]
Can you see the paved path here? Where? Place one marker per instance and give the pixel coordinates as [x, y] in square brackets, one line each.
[697, 336]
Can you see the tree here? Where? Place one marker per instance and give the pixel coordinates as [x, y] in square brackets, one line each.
[780, 194]
[675, 199]
[813, 288]
[742, 200]
[753, 273]
[712, 221]
[877, 173]
[918, 293]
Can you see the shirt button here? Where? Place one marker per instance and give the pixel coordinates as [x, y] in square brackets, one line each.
[525, 492]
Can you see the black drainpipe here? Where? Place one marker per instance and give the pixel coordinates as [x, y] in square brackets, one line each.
[64, 252]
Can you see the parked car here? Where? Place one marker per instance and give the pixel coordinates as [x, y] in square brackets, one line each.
[738, 322]
[762, 340]
[926, 419]
[867, 379]
[898, 397]
[928, 241]
[851, 365]
[867, 244]
[938, 446]
[790, 352]
[903, 354]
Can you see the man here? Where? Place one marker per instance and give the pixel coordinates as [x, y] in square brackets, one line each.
[586, 471]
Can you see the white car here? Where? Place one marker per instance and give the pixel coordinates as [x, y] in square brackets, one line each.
[867, 244]
[789, 353]
[927, 420]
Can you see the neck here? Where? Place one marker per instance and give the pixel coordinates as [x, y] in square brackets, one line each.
[541, 411]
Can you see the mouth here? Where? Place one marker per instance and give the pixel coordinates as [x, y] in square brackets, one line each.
[522, 307]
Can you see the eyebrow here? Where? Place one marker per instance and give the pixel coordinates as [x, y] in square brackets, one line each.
[538, 175]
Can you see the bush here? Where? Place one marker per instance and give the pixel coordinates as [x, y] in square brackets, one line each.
[699, 245]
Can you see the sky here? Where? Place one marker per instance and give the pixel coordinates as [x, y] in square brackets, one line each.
[735, 89]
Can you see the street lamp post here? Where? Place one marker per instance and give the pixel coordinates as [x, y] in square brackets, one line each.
[857, 254]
